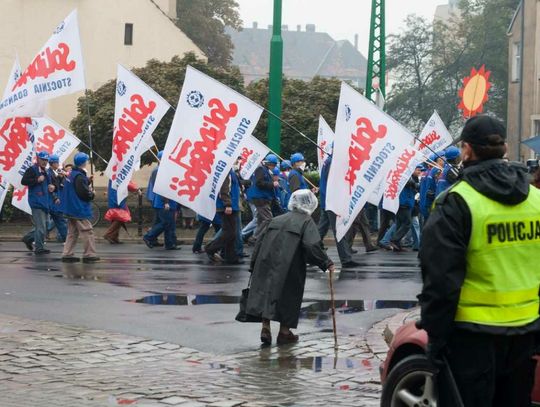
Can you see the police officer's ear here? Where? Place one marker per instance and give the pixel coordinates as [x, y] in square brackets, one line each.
[467, 152]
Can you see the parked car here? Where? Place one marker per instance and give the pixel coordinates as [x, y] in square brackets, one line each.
[407, 376]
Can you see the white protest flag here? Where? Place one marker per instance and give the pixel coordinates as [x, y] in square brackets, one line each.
[366, 140]
[49, 136]
[56, 70]
[434, 137]
[325, 138]
[209, 127]
[15, 149]
[398, 177]
[19, 200]
[4, 185]
[137, 112]
[252, 153]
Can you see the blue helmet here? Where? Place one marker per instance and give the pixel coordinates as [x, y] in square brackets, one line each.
[160, 154]
[451, 153]
[296, 157]
[43, 155]
[80, 159]
[433, 157]
[285, 165]
[53, 158]
[271, 159]
[276, 171]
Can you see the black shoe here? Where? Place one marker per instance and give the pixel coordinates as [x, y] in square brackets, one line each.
[371, 249]
[70, 259]
[149, 243]
[285, 339]
[395, 247]
[90, 259]
[28, 244]
[173, 248]
[42, 251]
[157, 244]
[354, 251]
[350, 265]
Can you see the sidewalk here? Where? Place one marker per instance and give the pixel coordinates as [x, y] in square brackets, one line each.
[44, 363]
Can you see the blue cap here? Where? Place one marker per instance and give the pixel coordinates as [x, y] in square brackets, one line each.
[271, 159]
[285, 165]
[276, 171]
[53, 158]
[296, 157]
[160, 154]
[80, 159]
[451, 153]
[43, 155]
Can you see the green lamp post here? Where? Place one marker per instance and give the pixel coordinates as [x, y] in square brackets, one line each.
[275, 81]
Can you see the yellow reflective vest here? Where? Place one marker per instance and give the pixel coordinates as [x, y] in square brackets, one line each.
[502, 279]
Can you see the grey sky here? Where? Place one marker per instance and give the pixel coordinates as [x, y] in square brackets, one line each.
[340, 18]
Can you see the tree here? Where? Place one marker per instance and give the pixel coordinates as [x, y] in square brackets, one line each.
[429, 62]
[204, 22]
[166, 78]
[303, 102]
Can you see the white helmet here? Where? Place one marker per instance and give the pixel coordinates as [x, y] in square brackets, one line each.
[303, 200]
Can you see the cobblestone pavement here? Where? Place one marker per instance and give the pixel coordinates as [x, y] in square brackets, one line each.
[51, 364]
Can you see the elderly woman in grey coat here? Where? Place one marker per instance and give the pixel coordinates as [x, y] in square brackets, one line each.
[278, 265]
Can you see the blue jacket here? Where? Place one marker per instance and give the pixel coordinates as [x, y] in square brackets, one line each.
[295, 173]
[233, 195]
[406, 197]
[74, 206]
[284, 195]
[150, 187]
[442, 183]
[38, 194]
[323, 183]
[428, 189]
[255, 191]
[112, 196]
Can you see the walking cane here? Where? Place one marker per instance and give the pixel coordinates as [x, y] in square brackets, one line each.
[333, 306]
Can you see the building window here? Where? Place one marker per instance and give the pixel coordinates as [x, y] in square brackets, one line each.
[128, 34]
[516, 61]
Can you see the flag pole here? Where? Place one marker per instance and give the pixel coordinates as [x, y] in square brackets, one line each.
[281, 158]
[90, 144]
[97, 155]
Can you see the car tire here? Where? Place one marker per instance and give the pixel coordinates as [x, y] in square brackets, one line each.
[411, 382]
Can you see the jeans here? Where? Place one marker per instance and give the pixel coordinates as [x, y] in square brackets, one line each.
[37, 234]
[386, 218]
[324, 224]
[250, 228]
[226, 239]
[165, 224]
[204, 227]
[403, 224]
[385, 241]
[343, 247]
[415, 231]
[61, 225]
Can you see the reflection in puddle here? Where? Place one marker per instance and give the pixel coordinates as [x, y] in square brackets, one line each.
[173, 299]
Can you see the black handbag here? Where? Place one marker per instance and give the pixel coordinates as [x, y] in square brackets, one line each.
[242, 316]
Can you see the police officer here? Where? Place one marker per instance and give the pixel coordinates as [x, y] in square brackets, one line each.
[77, 195]
[39, 186]
[56, 176]
[261, 193]
[479, 259]
[296, 176]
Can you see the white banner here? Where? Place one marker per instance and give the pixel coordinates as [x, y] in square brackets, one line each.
[435, 137]
[56, 70]
[209, 127]
[4, 185]
[20, 200]
[49, 136]
[366, 140]
[398, 177]
[252, 153]
[15, 149]
[138, 110]
[325, 138]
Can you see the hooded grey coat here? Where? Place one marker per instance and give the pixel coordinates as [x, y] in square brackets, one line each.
[278, 265]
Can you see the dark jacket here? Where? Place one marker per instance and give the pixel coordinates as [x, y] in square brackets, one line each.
[229, 193]
[279, 267]
[38, 192]
[445, 239]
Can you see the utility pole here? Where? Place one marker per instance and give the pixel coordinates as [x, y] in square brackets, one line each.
[376, 69]
[275, 81]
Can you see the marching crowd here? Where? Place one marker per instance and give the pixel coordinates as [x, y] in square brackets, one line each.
[60, 197]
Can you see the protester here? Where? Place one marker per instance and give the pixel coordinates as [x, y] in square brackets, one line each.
[77, 196]
[150, 197]
[118, 213]
[479, 260]
[204, 227]
[449, 174]
[404, 214]
[165, 211]
[386, 220]
[261, 193]
[328, 220]
[428, 188]
[57, 176]
[361, 224]
[228, 206]
[39, 186]
[188, 216]
[277, 204]
[277, 284]
[285, 167]
[296, 175]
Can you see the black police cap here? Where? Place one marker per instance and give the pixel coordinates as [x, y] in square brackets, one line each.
[479, 130]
